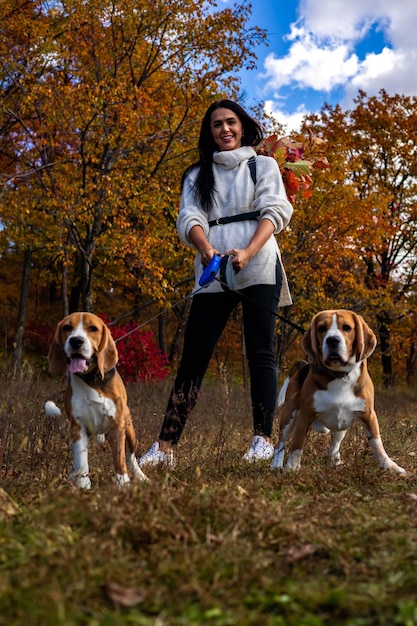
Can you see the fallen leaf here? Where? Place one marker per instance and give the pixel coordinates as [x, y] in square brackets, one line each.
[296, 553]
[213, 538]
[124, 596]
[8, 507]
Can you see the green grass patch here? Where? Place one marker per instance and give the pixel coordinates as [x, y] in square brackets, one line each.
[214, 541]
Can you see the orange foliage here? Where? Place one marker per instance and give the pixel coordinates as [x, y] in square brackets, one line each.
[100, 110]
[101, 105]
[353, 243]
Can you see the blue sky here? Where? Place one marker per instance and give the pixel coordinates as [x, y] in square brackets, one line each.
[327, 50]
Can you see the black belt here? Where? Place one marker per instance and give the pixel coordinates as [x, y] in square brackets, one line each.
[240, 217]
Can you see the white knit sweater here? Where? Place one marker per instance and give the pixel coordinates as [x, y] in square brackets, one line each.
[235, 193]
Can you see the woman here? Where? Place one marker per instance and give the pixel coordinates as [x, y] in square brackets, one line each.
[222, 185]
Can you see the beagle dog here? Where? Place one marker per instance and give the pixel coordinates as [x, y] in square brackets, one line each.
[95, 395]
[331, 390]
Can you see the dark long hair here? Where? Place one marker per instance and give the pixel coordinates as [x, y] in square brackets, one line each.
[252, 136]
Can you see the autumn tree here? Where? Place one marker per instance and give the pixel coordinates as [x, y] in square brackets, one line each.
[353, 243]
[100, 110]
[384, 131]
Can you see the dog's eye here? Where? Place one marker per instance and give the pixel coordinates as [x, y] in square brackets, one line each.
[67, 328]
[92, 329]
[322, 328]
[347, 328]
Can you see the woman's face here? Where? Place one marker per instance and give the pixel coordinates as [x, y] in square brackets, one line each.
[227, 129]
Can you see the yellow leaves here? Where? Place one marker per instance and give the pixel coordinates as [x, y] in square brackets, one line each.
[104, 122]
[349, 243]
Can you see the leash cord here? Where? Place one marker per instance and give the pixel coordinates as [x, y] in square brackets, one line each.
[151, 319]
[278, 315]
[194, 293]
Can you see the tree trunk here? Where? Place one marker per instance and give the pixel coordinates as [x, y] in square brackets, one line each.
[65, 296]
[21, 320]
[162, 338]
[384, 339]
[86, 283]
[411, 362]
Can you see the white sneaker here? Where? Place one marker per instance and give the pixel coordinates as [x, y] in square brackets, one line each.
[155, 456]
[260, 450]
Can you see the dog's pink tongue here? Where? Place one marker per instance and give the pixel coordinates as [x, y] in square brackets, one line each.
[77, 365]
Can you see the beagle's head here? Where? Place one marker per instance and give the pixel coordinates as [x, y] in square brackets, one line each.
[338, 339]
[82, 342]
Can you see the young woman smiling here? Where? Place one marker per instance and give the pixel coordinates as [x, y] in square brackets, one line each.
[221, 185]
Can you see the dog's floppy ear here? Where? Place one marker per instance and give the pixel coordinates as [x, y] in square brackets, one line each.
[107, 355]
[57, 359]
[309, 341]
[365, 338]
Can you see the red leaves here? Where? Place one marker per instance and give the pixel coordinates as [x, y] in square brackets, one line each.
[140, 358]
[295, 185]
[296, 170]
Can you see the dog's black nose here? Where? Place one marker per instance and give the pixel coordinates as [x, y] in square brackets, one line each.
[76, 342]
[333, 342]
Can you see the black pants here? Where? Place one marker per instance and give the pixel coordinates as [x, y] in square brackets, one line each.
[208, 317]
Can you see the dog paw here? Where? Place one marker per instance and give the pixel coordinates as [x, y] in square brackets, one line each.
[389, 464]
[294, 460]
[52, 409]
[278, 460]
[140, 475]
[133, 465]
[397, 469]
[121, 480]
[82, 481]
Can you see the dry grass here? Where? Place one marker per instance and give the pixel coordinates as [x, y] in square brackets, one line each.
[214, 541]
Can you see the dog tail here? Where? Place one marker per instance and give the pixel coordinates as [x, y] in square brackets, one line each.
[52, 409]
[295, 370]
[283, 392]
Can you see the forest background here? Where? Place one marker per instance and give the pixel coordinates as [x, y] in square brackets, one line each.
[100, 111]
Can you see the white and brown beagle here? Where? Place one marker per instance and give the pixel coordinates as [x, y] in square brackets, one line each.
[331, 390]
[95, 396]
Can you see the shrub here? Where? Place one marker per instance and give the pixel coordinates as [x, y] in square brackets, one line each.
[140, 358]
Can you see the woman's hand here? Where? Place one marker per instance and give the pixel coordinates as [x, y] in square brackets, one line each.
[207, 255]
[240, 258]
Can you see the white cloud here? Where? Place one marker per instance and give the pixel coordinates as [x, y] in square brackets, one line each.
[347, 21]
[289, 121]
[378, 67]
[323, 55]
[311, 66]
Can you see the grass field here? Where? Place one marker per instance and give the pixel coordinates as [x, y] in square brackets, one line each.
[214, 541]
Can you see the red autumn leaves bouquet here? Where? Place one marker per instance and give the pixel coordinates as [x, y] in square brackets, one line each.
[296, 169]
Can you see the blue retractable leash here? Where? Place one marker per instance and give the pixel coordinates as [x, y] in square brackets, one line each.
[225, 267]
[210, 271]
[227, 280]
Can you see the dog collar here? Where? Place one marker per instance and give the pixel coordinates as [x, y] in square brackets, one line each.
[93, 376]
[322, 369]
